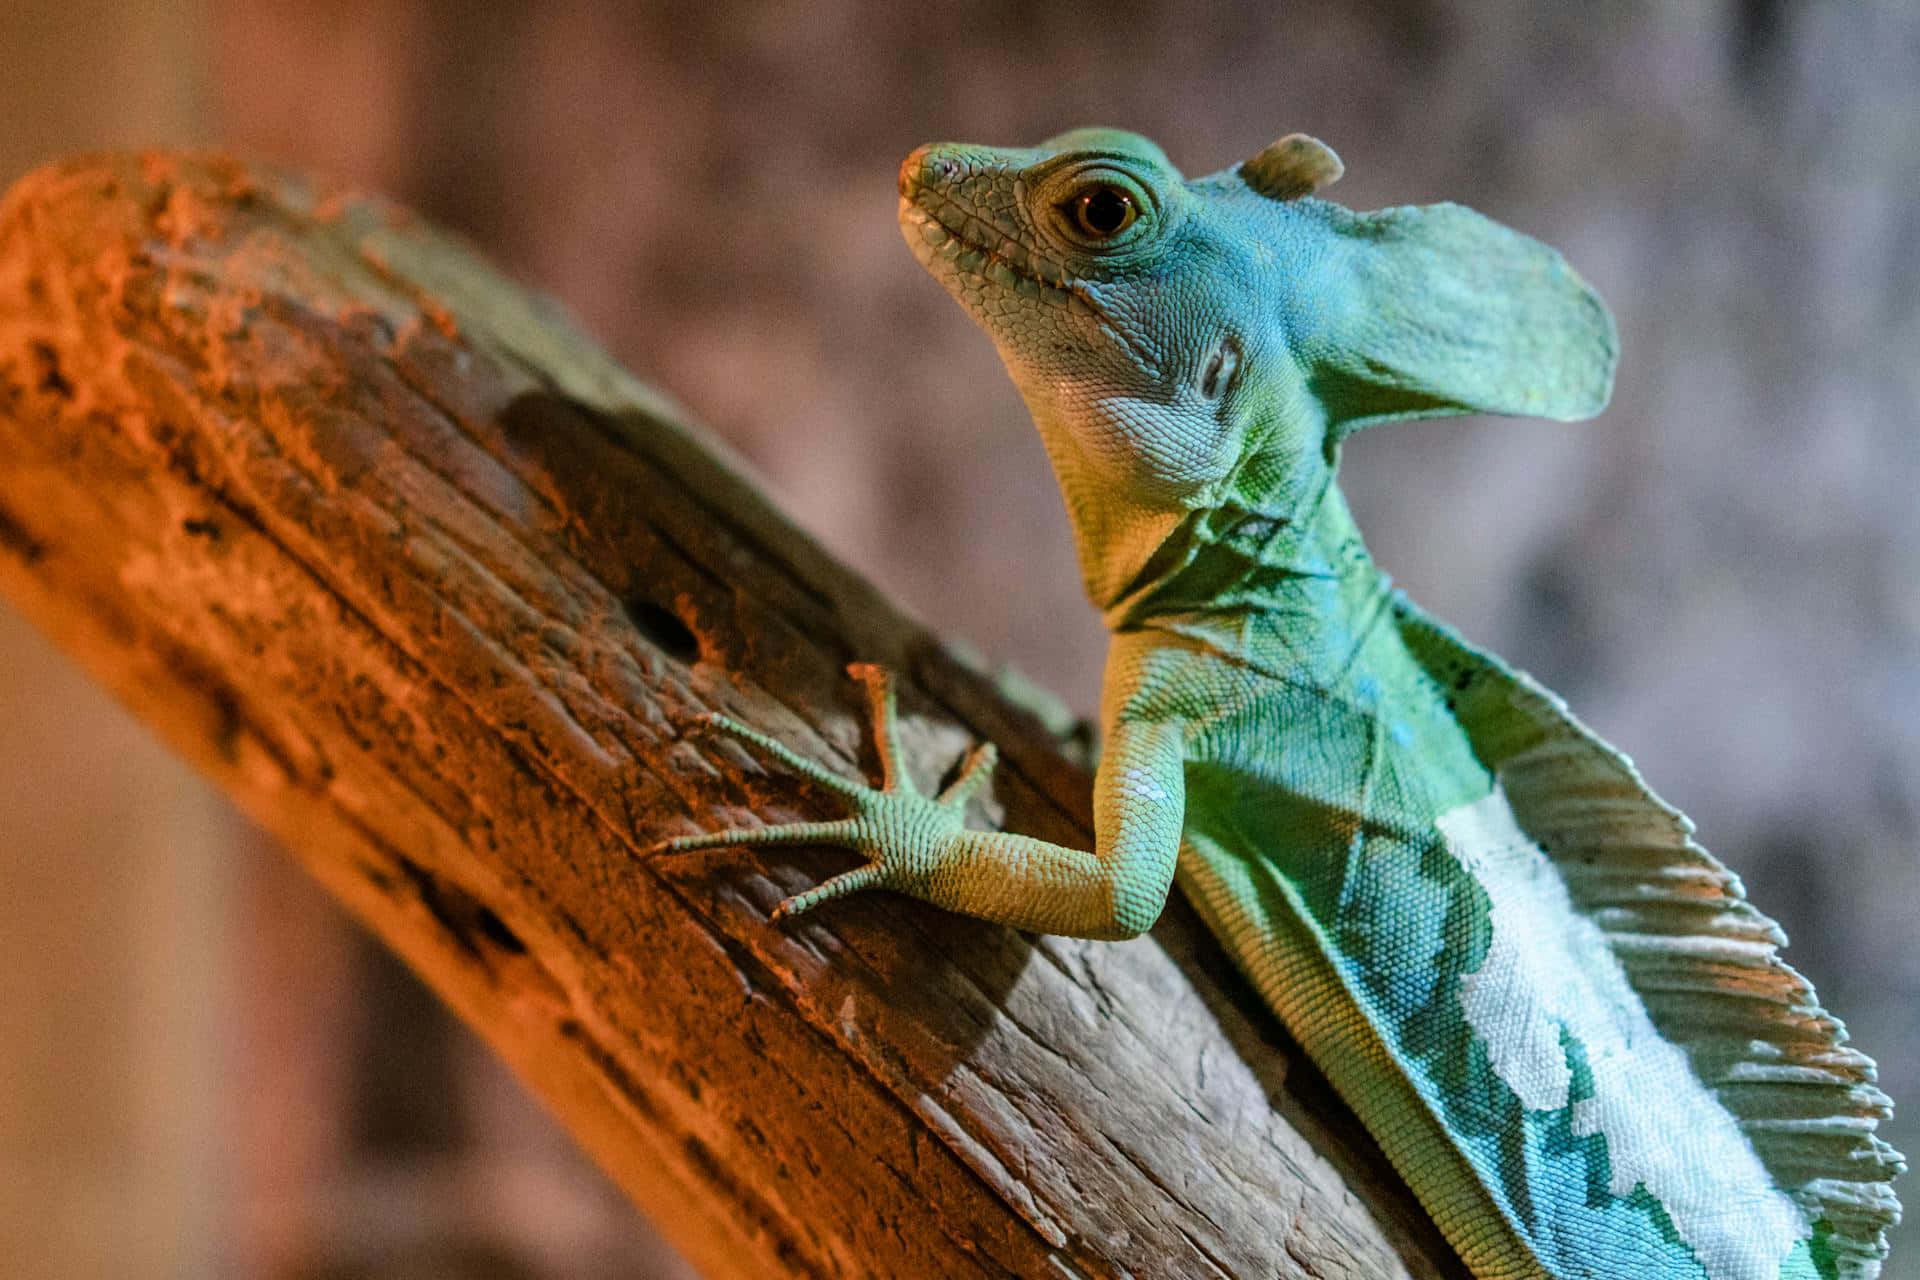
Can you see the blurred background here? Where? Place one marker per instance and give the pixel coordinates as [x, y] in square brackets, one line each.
[206, 1070]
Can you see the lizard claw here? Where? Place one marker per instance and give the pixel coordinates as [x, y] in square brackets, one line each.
[975, 772]
[903, 833]
[848, 882]
[883, 711]
[714, 722]
[843, 831]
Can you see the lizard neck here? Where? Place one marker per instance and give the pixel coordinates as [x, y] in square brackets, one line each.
[1293, 590]
[1154, 539]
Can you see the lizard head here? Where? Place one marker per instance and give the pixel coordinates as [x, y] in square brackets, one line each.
[1186, 345]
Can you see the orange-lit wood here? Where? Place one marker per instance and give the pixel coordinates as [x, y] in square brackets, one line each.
[431, 588]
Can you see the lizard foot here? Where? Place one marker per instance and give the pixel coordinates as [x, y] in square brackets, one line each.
[905, 835]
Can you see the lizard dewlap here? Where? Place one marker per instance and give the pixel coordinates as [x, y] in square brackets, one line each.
[1559, 1015]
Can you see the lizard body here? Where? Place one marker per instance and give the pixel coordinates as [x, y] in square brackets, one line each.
[1558, 1014]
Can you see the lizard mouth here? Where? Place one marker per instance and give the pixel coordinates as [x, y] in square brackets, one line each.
[955, 244]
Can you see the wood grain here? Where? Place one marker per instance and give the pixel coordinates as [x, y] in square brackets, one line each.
[432, 589]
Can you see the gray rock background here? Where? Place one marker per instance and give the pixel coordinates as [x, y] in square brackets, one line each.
[1722, 573]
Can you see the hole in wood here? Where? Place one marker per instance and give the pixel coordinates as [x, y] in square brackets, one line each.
[664, 630]
[15, 538]
[495, 930]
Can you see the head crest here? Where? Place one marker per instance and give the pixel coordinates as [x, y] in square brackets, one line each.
[1294, 166]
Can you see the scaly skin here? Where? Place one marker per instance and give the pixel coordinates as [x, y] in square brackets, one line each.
[1559, 1015]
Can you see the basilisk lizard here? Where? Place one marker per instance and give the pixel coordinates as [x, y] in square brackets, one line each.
[1558, 1014]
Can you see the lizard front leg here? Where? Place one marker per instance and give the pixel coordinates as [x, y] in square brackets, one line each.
[919, 845]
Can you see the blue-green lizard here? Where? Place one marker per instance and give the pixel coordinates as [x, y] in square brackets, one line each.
[1557, 1013]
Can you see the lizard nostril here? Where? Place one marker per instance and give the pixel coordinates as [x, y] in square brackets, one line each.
[928, 167]
[911, 170]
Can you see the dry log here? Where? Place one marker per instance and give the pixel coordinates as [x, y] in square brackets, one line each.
[432, 589]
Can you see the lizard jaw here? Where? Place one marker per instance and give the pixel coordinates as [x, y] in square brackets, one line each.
[968, 248]
[965, 262]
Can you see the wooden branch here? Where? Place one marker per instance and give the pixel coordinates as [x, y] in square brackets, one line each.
[431, 589]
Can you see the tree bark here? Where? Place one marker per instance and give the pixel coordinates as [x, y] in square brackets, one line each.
[433, 590]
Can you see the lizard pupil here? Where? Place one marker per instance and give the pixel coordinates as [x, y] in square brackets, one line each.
[1104, 211]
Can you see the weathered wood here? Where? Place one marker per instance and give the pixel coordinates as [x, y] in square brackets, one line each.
[431, 588]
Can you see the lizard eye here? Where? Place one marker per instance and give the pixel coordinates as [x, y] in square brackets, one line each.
[1102, 212]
